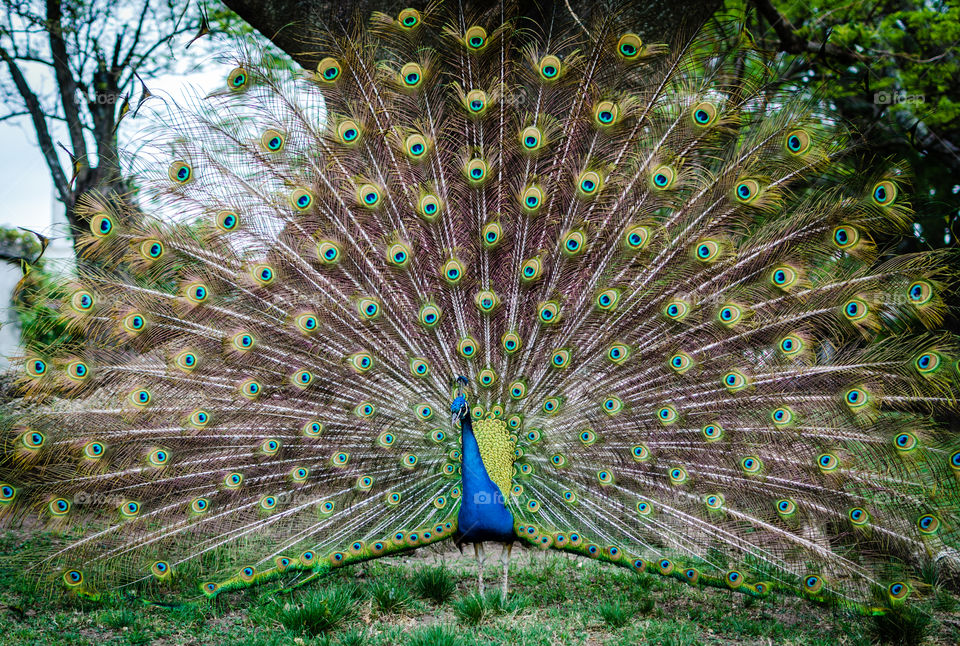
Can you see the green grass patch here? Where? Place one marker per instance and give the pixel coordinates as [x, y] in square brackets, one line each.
[318, 611]
[434, 583]
[431, 599]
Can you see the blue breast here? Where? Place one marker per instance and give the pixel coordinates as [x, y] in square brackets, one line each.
[483, 515]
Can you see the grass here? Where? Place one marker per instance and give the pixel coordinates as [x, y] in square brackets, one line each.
[615, 614]
[390, 596]
[434, 583]
[430, 599]
[318, 611]
[475, 608]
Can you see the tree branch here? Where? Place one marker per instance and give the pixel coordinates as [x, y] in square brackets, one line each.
[65, 80]
[32, 104]
[792, 43]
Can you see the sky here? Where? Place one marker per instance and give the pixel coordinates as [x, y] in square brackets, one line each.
[27, 195]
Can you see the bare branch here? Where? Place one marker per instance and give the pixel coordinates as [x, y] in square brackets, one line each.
[32, 104]
[791, 43]
[14, 115]
[136, 37]
[65, 80]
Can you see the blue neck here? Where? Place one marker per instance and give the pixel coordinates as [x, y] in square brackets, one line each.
[483, 515]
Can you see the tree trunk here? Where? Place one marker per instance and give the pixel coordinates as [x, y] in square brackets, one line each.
[293, 24]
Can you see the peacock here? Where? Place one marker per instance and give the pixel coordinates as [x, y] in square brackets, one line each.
[491, 280]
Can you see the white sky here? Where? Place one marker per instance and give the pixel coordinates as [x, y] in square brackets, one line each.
[27, 195]
[26, 192]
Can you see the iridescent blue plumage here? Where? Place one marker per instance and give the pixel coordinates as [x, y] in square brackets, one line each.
[483, 515]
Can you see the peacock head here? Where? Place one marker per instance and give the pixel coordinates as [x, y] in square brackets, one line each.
[459, 409]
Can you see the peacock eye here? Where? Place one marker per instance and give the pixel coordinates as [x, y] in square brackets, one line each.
[606, 113]
[409, 18]
[712, 432]
[884, 193]
[237, 79]
[301, 199]
[452, 271]
[227, 220]
[180, 172]
[101, 225]
[151, 249]
[734, 381]
[531, 199]
[704, 114]
[199, 418]
[667, 415]
[680, 362]
[36, 367]
[676, 310]
[530, 138]
[467, 347]
[419, 367]
[589, 184]
[798, 142]
[369, 195]
[78, 370]
[475, 38]
[707, 251]
[272, 140]
[328, 70]
[549, 68]
[855, 310]
[663, 177]
[629, 46]
[548, 313]
[747, 191]
[82, 301]
[411, 75]
[920, 292]
[784, 277]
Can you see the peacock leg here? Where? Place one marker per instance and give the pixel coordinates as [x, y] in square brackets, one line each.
[478, 552]
[505, 559]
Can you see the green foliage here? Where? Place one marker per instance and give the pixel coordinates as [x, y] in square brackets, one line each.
[893, 72]
[40, 326]
[434, 583]
[123, 618]
[589, 606]
[390, 595]
[471, 609]
[475, 608]
[437, 635]
[319, 610]
[352, 637]
[905, 627]
[615, 614]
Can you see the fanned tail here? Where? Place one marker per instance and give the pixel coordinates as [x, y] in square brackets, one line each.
[659, 270]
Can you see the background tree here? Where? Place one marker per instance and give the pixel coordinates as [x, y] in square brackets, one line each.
[891, 68]
[77, 67]
[289, 23]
